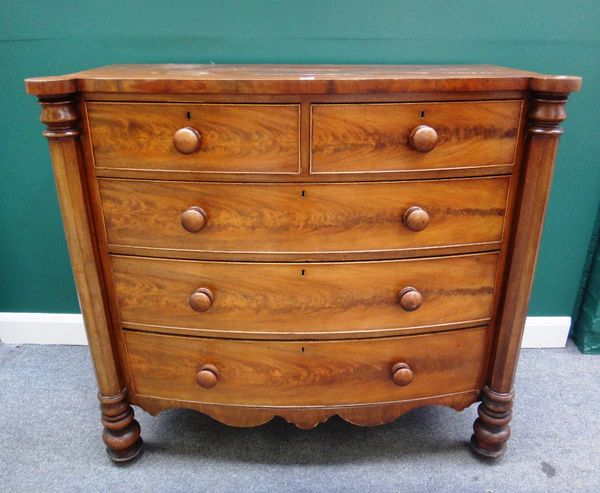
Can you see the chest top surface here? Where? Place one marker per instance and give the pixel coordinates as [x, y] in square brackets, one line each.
[299, 79]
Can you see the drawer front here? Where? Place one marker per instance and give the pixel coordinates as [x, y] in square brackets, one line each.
[317, 298]
[304, 373]
[214, 138]
[379, 137]
[303, 218]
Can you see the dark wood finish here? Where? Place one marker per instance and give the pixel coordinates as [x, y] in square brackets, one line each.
[305, 373]
[234, 138]
[294, 192]
[295, 299]
[306, 221]
[491, 428]
[121, 432]
[380, 137]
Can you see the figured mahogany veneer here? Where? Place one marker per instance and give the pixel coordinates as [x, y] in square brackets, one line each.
[288, 299]
[305, 373]
[392, 137]
[200, 137]
[303, 221]
[303, 241]
[173, 79]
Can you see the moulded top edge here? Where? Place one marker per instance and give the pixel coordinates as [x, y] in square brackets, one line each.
[298, 79]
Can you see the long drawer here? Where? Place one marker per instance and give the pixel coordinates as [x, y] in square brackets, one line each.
[316, 299]
[303, 219]
[305, 373]
[370, 138]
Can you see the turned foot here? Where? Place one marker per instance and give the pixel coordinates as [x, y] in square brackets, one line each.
[121, 432]
[491, 427]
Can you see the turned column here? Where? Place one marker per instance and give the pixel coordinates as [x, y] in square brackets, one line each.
[546, 112]
[121, 431]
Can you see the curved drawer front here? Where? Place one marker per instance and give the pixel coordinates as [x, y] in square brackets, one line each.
[372, 138]
[309, 219]
[223, 138]
[236, 299]
[304, 373]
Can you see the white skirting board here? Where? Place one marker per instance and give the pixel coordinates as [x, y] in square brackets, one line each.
[42, 328]
[58, 328]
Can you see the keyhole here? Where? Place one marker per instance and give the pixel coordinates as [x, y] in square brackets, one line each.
[422, 114]
[302, 272]
[188, 115]
[303, 193]
[302, 349]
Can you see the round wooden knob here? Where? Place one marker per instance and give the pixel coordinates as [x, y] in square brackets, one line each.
[415, 218]
[187, 140]
[194, 219]
[423, 138]
[401, 374]
[201, 299]
[207, 376]
[410, 299]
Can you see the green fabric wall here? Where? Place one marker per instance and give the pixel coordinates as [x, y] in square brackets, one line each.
[56, 37]
[586, 323]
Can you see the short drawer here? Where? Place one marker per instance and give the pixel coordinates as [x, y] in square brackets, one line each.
[359, 138]
[212, 138]
[305, 220]
[305, 373]
[278, 299]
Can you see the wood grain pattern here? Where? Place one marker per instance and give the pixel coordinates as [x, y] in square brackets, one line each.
[305, 373]
[306, 219]
[303, 298]
[308, 418]
[375, 137]
[62, 132]
[297, 330]
[491, 429]
[234, 138]
[546, 113]
[121, 432]
[298, 79]
[373, 97]
[303, 176]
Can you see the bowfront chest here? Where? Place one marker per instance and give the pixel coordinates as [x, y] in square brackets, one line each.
[303, 241]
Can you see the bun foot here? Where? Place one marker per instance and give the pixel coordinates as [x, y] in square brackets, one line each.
[127, 454]
[121, 432]
[491, 428]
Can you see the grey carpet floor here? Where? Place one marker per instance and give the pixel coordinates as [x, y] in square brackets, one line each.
[50, 439]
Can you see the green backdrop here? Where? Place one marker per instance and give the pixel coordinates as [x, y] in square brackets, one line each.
[56, 37]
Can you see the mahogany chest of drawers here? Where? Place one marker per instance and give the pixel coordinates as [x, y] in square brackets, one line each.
[303, 241]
